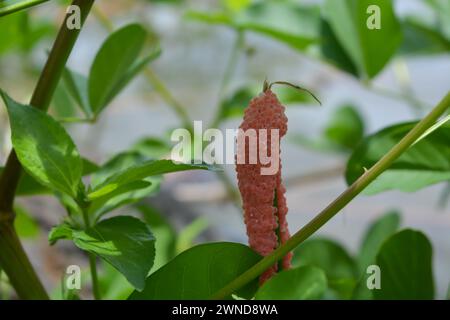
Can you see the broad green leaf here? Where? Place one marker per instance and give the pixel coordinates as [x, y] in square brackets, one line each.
[327, 255]
[44, 148]
[303, 283]
[332, 258]
[425, 163]
[377, 233]
[346, 127]
[124, 242]
[332, 51]
[145, 170]
[115, 65]
[199, 272]
[30, 187]
[369, 49]
[405, 261]
[25, 225]
[165, 235]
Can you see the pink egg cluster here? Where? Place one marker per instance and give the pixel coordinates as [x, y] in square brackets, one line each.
[263, 198]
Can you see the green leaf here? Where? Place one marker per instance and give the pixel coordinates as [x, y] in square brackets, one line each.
[99, 209]
[332, 258]
[152, 147]
[303, 283]
[405, 261]
[144, 170]
[133, 71]
[77, 86]
[287, 22]
[421, 39]
[25, 225]
[427, 162]
[378, 232]
[44, 148]
[117, 198]
[30, 187]
[164, 233]
[117, 163]
[327, 255]
[370, 50]
[295, 25]
[124, 242]
[115, 65]
[346, 128]
[331, 50]
[60, 232]
[62, 105]
[199, 272]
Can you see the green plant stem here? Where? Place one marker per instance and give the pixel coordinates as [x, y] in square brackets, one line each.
[8, 9]
[332, 209]
[84, 206]
[95, 284]
[13, 259]
[17, 266]
[157, 84]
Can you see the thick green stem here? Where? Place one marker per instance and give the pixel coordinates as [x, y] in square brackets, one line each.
[8, 9]
[12, 256]
[333, 208]
[17, 266]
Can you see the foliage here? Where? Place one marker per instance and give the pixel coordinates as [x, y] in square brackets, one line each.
[147, 257]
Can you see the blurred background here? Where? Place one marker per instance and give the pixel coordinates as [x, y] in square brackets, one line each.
[215, 57]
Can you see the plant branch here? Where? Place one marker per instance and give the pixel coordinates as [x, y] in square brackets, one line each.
[95, 284]
[13, 259]
[332, 209]
[8, 9]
